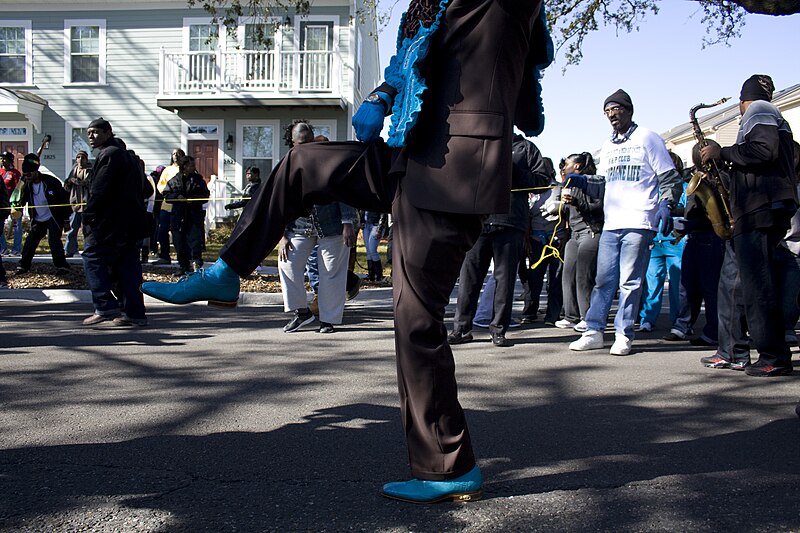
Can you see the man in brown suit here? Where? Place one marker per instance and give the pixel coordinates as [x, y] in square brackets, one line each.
[465, 73]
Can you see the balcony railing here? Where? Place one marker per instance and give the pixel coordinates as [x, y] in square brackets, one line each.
[277, 72]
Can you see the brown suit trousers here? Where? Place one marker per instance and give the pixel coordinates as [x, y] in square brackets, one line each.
[429, 248]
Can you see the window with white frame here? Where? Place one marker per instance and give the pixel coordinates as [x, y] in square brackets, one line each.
[259, 36]
[80, 142]
[200, 40]
[16, 54]
[326, 128]
[203, 37]
[258, 40]
[316, 60]
[257, 147]
[85, 51]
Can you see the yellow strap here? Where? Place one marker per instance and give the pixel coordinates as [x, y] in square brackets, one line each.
[173, 201]
[549, 250]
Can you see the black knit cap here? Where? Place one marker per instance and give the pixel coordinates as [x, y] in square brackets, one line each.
[620, 97]
[757, 87]
[100, 124]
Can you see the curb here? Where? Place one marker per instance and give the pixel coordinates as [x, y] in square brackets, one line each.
[380, 297]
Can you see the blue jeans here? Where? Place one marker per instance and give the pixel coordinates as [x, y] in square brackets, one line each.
[117, 268]
[665, 260]
[621, 259]
[372, 239]
[16, 224]
[485, 310]
[312, 269]
[71, 247]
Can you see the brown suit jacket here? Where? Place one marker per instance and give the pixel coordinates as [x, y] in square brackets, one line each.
[481, 78]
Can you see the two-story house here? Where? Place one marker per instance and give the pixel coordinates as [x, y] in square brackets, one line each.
[165, 76]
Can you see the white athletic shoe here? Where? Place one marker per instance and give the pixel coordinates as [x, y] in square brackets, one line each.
[581, 326]
[646, 327]
[621, 346]
[590, 340]
[564, 323]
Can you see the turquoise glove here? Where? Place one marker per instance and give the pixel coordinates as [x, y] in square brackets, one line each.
[368, 120]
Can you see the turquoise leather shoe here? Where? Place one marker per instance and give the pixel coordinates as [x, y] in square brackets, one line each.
[219, 285]
[466, 488]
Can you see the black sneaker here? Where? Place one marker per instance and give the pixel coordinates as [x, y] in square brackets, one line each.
[21, 270]
[63, 271]
[499, 339]
[715, 361]
[459, 337]
[527, 319]
[324, 327]
[300, 319]
[741, 364]
[767, 370]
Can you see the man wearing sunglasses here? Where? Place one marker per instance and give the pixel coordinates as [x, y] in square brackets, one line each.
[641, 187]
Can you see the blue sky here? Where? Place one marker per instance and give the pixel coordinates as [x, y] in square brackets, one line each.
[662, 66]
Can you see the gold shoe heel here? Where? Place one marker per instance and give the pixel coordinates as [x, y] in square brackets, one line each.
[468, 496]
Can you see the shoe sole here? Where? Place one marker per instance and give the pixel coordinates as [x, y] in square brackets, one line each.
[462, 340]
[456, 497]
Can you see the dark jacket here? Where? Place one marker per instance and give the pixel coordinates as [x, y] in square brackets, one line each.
[248, 193]
[482, 80]
[762, 177]
[182, 188]
[115, 212]
[56, 196]
[586, 212]
[528, 171]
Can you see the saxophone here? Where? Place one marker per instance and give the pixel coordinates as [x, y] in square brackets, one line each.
[707, 185]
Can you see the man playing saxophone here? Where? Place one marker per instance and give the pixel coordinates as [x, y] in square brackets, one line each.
[763, 200]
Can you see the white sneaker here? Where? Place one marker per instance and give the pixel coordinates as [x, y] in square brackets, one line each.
[564, 323]
[581, 326]
[590, 340]
[647, 327]
[621, 346]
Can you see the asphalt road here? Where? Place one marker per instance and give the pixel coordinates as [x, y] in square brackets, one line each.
[216, 420]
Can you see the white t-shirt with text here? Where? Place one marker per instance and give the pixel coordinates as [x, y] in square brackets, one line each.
[630, 169]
